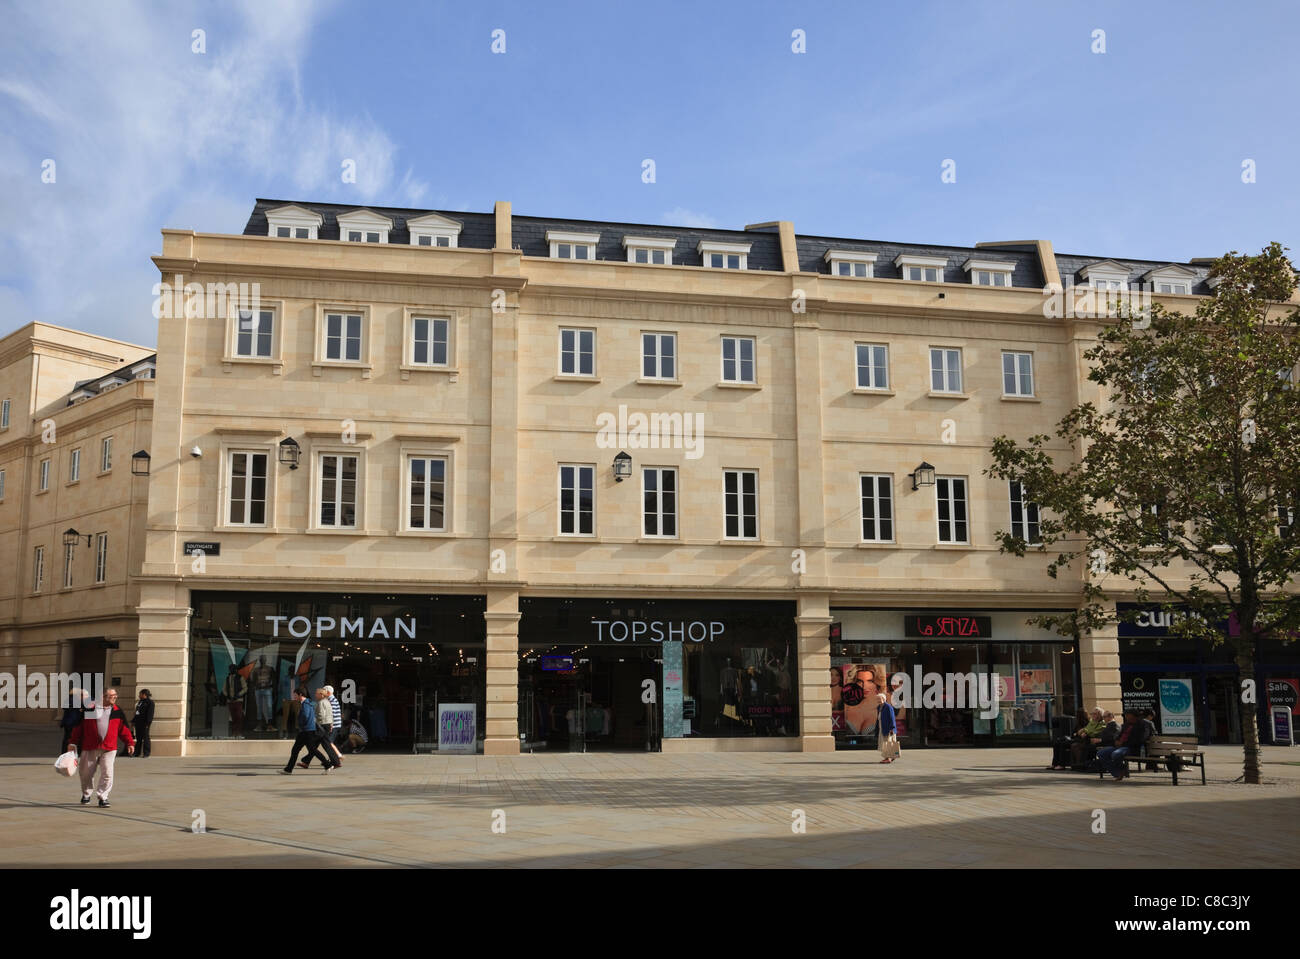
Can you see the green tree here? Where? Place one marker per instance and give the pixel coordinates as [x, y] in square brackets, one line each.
[1184, 481]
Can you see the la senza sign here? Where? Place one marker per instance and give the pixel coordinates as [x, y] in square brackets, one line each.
[948, 626]
[657, 631]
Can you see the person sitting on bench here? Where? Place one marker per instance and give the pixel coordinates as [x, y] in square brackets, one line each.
[1063, 750]
[1131, 737]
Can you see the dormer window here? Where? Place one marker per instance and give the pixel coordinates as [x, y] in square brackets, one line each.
[433, 230]
[364, 226]
[292, 222]
[649, 249]
[572, 246]
[1172, 279]
[851, 263]
[724, 256]
[1106, 275]
[988, 272]
[920, 269]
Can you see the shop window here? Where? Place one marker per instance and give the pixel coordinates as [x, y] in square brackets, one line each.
[740, 504]
[659, 495]
[877, 507]
[950, 492]
[577, 500]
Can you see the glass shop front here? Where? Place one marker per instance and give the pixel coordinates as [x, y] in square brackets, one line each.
[611, 674]
[964, 678]
[393, 660]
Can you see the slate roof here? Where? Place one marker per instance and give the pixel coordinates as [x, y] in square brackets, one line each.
[529, 236]
[94, 384]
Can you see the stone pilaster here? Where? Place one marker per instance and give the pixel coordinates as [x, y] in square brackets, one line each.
[1099, 668]
[502, 673]
[163, 662]
[813, 627]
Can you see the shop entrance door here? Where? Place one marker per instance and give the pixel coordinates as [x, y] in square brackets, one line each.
[1222, 708]
[590, 699]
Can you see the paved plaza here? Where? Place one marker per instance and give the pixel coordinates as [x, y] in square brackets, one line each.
[940, 807]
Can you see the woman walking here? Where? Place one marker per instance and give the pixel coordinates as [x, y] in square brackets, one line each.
[886, 729]
[142, 720]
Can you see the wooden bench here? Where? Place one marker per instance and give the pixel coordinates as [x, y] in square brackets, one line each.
[1173, 753]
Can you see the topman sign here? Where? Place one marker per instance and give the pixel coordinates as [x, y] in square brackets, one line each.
[300, 627]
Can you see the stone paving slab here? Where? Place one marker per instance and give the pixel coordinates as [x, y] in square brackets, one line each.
[939, 808]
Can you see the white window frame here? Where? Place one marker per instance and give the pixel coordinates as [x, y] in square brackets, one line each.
[659, 356]
[576, 511]
[659, 512]
[228, 488]
[947, 372]
[101, 557]
[871, 383]
[1106, 275]
[365, 223]
[441, 232]
[1171, 280]
[295, 219]
[433, 320]
[989, 272]
[906, 262]
[237, 319]
[319, 496]
[1030, 516]
[850, 264]
[564, 245]
[106, 454]
[38, 569]
[1017, 373]
[738, 360]
[735, 256]
[69, 559]
[4, 414]
[427, 456]
[74, 465]
[43, 480]
[323, 312]
[876, 499]
[577, 352]
[740, 515]
[952, 501]
[257, 338]
[652, 247]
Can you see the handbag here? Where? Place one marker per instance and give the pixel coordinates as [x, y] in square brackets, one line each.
[891, 749]
[66, 765]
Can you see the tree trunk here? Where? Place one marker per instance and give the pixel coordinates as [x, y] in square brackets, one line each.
[1250, 711]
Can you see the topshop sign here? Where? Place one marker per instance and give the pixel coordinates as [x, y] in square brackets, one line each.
[640, 630]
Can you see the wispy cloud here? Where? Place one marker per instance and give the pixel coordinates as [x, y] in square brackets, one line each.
[680, 216]
[142, 129]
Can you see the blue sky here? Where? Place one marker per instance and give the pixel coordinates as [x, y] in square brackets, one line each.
[1137, 151]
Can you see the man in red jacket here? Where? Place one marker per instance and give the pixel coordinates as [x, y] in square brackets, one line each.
[96, 741]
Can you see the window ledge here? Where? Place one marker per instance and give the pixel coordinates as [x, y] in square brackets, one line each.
[104, 472]
[938, 395]
[890, 545]
[727, 385]
[251, 529]
[575, 378]
[318, 365]
[228, 363]
[42, 492]
[1021, 399]
[872, 391]
[658, 382]
[574, 538]
[431, 533]
[740, 542]
[657, 540]
[451, 372]
[75, 482]
[343, 531]
[96, 586]
[953, 546]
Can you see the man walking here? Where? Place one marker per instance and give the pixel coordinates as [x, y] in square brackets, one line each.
[308, 733]
[324, 731]
[96, 741]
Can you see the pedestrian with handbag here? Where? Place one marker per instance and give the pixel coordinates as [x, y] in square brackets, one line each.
[142, 720]
[886, 729]
[96, 740]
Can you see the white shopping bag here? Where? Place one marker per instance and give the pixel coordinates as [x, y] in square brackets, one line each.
[66, 764]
